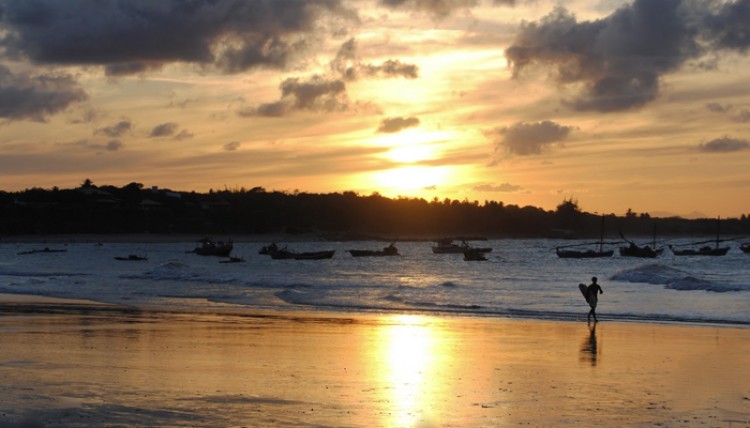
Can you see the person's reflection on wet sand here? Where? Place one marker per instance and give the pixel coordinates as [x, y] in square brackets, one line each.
[589, 349]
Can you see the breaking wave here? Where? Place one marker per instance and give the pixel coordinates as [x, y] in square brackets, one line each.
[670, 278]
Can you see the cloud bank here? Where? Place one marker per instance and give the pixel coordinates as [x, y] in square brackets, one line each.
[529, 138]
[618, 61]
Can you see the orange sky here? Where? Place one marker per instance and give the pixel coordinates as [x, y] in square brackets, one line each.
[621, 105]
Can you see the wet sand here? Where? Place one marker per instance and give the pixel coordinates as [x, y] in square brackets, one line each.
[77, 364]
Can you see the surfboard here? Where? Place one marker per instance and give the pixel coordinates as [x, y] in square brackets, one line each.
[584, 290]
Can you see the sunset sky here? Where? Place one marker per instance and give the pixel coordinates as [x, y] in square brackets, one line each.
[641, 105]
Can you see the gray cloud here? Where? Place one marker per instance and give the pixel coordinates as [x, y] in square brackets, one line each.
[396, 124]
[619, 60]
[438, 8]
[346, 64]
[164, 130]
[315, 94]
[115, 130]
[724, 145]
[525, 138]
[133, 36]
[231, 146]
[34, 97]
[501, 188]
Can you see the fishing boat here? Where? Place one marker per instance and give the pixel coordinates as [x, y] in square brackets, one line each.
[447, 246]
[745, 247]
[207, 247]
[564, 253]
[635, 250]
[131, 258]
[390, 250]
[473, 254]
[704, 250]
[285, 254]
[233, 260]
[268, 249]
[43, 250]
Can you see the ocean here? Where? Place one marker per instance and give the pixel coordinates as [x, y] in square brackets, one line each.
[522, 278]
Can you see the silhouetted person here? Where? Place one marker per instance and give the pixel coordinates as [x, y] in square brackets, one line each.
[592, 297]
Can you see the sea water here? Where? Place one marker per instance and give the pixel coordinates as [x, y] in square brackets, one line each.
[521, 278]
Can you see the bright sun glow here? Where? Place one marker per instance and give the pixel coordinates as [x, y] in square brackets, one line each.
[413, 145]
[410, 178]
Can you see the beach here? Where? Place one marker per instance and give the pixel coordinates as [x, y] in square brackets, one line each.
[77, 363]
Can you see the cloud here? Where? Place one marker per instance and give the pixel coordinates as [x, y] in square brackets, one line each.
[502, 188]
[184, 135]
[618, 61]
[115, 130]
[315, 94]
[231, 146]
[526, 138]
[741, 115]
[437, 8]
[133, 36]
[350, 68]
[164, 130]
[34, 97]
[396, 124]
[724, 145]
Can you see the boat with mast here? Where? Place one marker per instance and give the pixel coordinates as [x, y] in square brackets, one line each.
[564, 253]
[704, 250]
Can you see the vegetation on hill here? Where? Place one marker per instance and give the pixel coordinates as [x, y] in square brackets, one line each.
[348, 215]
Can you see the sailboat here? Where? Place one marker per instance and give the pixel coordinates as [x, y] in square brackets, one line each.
[635, 250]
[705, 250]
[585, 254]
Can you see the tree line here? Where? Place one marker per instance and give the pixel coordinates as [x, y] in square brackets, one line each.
[92, 209]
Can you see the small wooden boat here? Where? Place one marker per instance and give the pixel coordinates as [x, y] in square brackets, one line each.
[473, 254]
[208, 247]
[705, 250]
[43, 250]
[284, 254]
[745, 247]
[390, 250]
[314, 255]
[131, 258]
[702, 251]
[233, 260]
[268, 249]
[447, 246]
[635, 250]
[585, 254]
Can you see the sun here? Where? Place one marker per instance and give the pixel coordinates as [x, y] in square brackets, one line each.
[413, 145]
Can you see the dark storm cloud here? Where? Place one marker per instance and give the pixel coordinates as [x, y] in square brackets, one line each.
[164, 130]
[115, 130]
[525, 138]
[133, 36]
[395, 124]
[34, 97]
[724, 145]
[619, 60]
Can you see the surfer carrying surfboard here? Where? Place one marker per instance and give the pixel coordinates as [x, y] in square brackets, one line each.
[591, 294]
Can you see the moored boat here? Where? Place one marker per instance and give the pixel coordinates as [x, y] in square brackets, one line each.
[447, 246]
[745, 247]
[635, 250]
[131, 258]
[702, 251]
[474, 254]
[208, 247]
[582, 254]
[390, 250]
[284, 254]
[43, 250]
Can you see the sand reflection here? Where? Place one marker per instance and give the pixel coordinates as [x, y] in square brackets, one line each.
[412, 354]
